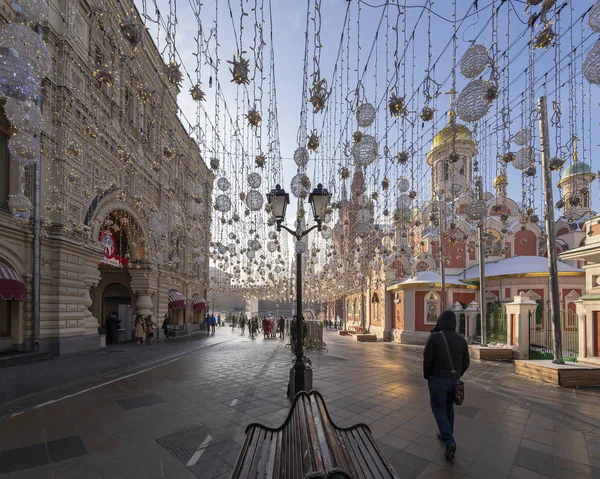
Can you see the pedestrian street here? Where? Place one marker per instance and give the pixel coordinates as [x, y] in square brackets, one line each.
[185, 416]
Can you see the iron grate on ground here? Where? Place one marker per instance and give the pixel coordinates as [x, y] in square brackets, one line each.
[187, 442]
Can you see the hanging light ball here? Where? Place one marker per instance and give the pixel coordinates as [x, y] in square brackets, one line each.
[223, 184]
[476, 210]
[214, 163]
[365, 114]
[20, 206]
[472, 103]
[30, 46]
[250, 254]
[16, 76]
[591, 64]
[313, 141]
[34, 11]
[197, 93]
[397, 106]
[24, 115]
[508, 157]
[403, 203]
[402, 157]
[272, 246]
[345, 173]
[222, 249]
[254, 180]
[427, 113]
[594, 17]
[545, 38]
[474, 61]
[326, 232]
[403, 184]
[522, 137]
[223, 203]
[272, 235]
[301, 157]
[524, 158]
[300, 247]
[300, 185]
[254, 200]
[131, 30]
[25, 146]
[365, 151]
[556, 163]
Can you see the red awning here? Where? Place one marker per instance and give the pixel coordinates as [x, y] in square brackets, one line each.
[199, 302]
[177, 300]
[11, 285]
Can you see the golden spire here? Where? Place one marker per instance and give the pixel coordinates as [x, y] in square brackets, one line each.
[575, 153]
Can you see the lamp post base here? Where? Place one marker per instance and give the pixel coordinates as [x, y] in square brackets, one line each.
[301, 378]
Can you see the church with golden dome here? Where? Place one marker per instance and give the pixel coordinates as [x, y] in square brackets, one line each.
[406, 296]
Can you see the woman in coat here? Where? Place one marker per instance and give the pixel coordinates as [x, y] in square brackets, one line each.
[149, 329]
[139, 328]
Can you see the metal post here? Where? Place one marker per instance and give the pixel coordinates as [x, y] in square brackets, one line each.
[442, 262]
[37, 184]
[550, 239]
[299, 317]
[482, 305]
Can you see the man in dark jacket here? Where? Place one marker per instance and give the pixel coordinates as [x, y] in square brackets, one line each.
[438, 372]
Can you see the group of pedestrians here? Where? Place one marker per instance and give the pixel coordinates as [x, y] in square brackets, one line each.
[211, 323]
[144, 328]
[270, 327]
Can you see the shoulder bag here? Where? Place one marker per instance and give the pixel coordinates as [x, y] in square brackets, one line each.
[459, 386]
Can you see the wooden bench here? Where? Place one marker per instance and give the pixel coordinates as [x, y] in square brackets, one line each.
[309, 445]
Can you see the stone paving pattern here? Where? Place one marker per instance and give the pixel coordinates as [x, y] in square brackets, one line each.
[508, 427]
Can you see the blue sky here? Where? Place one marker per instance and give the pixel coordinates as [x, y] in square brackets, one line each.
[289, 22]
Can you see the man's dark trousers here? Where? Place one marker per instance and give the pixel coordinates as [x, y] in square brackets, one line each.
[441, 396]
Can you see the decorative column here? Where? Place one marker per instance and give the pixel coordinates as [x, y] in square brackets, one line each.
[457, 309]
[471, 317]
[144, 283]
[518, 313]
[91, 278]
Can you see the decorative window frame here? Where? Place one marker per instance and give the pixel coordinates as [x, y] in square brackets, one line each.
[431, 299]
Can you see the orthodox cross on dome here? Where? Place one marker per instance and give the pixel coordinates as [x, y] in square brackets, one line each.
[451, 92]
[575, 152]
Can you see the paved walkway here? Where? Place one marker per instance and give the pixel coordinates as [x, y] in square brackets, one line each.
[186, 418]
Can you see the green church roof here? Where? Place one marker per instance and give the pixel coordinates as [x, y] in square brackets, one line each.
[576, 168]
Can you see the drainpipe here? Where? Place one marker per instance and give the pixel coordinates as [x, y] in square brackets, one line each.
[36, 232]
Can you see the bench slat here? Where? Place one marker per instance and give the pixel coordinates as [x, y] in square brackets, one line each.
[309, 442]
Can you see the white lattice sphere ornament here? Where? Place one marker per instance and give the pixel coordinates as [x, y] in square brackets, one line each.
[300, 185]
[254, 180]
[16, 76]
[365, 151]
[300, 247]
[403, 203]
[524, 158]
[24, 115]
[34, 11]
[272, 235]
[591, 65]
[222, 249]
[365, 114]
[231, 248]
[223, 184]
[594, 17]
[272, 246]
[403, 185]
[20, 206]
[472, 104]
[326, 232]
[476, 210]
[522, 137]
[254, 200]
[250, 254]
[30, 46]
[254, 245]
[301, 157]
[474, 61]
[24, 145]
[223, 203]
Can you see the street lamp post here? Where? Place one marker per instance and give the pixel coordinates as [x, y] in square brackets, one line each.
[301, 371]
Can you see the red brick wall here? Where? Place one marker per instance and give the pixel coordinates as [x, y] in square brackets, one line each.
[463, 297]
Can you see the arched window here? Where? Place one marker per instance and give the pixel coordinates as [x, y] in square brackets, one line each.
[446, 171]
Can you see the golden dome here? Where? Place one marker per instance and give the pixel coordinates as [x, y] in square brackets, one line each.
[500, 180]
[446, 134]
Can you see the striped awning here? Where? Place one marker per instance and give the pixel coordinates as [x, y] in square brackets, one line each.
[177, 300]
[199, 302]
[11, 285]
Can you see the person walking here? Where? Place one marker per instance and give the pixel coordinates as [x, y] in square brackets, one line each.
[219, 320]
[207, 323]
[149, 329]
[243, 324]
[446, 354]
[112, 327]
[233, 323]
[139, 328]
[166, 326]
[213, 323]
[281, 327]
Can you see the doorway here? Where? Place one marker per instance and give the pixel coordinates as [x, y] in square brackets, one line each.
[117, 299]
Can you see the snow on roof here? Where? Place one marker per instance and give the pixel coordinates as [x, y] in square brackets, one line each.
[516, 265]
[431, 277]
